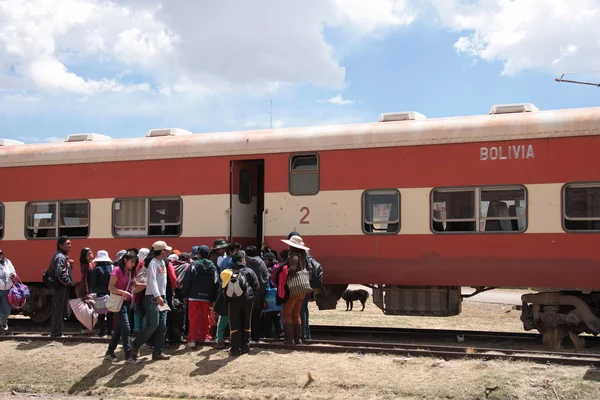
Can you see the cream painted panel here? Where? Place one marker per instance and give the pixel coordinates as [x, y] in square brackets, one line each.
[414, 211]
[329, 213]
[242, 217]
[101, 218]
[14, 220]
[544, 208]
[205, 215]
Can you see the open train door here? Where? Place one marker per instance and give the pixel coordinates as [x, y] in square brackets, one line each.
[247, 202]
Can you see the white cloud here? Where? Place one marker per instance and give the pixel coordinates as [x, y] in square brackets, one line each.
[87, 47]
[337, 100]
[556, 36]
[370, 16]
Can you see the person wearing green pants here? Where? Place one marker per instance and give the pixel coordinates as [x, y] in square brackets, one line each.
[220, 307]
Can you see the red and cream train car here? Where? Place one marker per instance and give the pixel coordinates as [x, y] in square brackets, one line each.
[415, 207]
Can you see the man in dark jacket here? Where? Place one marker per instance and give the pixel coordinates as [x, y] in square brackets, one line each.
[240, 306]
[62, 268]
[200, 286]
[262, 273]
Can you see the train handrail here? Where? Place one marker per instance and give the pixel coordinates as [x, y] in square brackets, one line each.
[264, 226]
[227, 224]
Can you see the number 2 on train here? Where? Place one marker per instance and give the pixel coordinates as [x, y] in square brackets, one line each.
[306, 212]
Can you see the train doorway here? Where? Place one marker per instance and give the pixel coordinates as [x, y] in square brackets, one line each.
[247, 202]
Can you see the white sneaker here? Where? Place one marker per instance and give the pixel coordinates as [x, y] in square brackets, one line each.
[191, 345]
[4, 327]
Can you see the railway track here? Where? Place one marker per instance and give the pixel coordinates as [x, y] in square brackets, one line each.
[384, 333]
[361, 348]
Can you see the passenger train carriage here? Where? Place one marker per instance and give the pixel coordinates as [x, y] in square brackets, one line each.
[415, 207]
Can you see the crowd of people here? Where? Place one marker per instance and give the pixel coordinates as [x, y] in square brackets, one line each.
[161, 295]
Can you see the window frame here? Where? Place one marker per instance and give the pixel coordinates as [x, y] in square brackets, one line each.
[147, 216]
[2, 220]
[58, 226]
[249, 171]
[362, 211]
[477, 219]
[291, 172]
[563, 207]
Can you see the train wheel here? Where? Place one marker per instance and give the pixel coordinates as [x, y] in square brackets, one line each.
[552, 338]
[41, 315]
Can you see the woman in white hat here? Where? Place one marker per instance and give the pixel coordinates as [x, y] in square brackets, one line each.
[298, 281]
[100, 280]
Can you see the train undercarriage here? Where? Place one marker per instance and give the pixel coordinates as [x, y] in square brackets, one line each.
[555, 314]
[560, 314]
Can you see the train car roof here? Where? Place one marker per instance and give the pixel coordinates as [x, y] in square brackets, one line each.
[435, 131]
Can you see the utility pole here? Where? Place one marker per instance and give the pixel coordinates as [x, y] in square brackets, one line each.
[578, 82]
[271, 113]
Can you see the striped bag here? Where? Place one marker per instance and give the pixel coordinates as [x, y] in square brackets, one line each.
[299, 283]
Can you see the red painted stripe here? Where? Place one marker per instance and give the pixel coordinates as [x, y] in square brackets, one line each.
[556, 161]
[530, 260]
[544, 260]
[174, 177]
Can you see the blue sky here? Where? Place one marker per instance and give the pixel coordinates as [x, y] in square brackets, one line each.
[121, 68]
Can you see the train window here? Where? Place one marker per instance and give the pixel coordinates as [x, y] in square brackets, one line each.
[486, 209]
[1, 220]
[165, 217]
[245, 186]
[502, 209]
[51, 219]
[381, 211]
[581, 207]
[147, 217]
[304, 174]
[454, 210]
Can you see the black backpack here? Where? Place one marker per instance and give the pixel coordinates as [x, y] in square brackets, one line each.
[49, 277]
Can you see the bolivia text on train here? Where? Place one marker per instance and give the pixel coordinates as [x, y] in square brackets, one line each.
[517, 152]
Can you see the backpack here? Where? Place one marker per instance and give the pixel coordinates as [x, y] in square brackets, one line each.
[316, 272]
[237, 285]
[49, 277]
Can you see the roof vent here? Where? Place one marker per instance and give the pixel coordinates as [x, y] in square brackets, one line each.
[513, 108]
[9, 142]
[167, 132]
[401, 116]
[86, 137]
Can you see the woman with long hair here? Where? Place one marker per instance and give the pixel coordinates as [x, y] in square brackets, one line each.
[82, 289]
[122, 281]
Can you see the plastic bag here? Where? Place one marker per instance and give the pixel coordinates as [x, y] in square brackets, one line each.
[84, 312]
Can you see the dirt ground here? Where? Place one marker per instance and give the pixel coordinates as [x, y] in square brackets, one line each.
[474, 316]
[79, 370]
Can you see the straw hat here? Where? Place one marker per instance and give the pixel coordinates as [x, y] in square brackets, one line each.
[297, 242]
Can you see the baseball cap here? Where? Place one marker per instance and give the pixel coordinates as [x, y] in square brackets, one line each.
[195, 251]
[160, 245]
